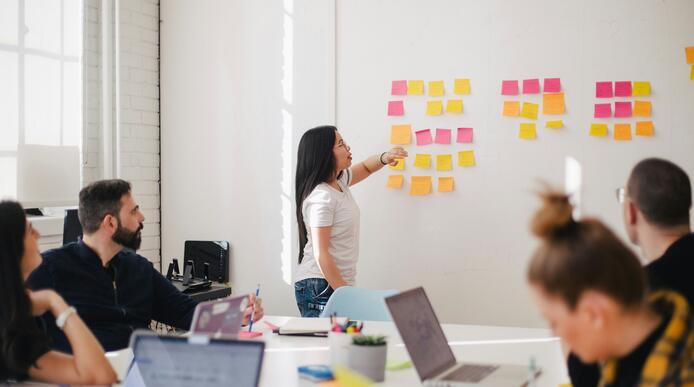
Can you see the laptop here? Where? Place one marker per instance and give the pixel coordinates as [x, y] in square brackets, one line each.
[432, 356]
[219, 318]
[177, 361]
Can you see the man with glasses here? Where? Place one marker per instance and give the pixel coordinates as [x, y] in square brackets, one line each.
[656, 204]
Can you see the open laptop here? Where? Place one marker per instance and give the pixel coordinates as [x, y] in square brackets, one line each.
[219, 318]
[177, 361]
[432, 356]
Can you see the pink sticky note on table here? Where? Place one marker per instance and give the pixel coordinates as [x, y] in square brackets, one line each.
[622, 89]
[423, 137]
[622, 109]
[395, 108]
[464, 135]
[443, 136]
[603, 90]
[603, 110]
[509, 87]
[531, 86]
[399, 88]
[552, 85]
[249, 335]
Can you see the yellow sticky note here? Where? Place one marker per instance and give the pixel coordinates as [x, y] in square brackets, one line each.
[641, 89]
[622, 132]
[420, 185]
[644, 128]
[400, 134]
[399, 165]
[444, 162]
[422, 160]
[554, 124]
[529, 110]
[454, 106]
[415, 87]
[527, 131]
[642, 108]
[689, 53]
[553, 103]
[436, 88]
[434, 108]
[466, 158]
[511, 108]
[395, 181]
[461, 86]
[446, 184]
[598, 130]
[691, 75]
[345, 377]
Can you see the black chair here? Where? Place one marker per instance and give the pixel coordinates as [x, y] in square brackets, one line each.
[72, 228]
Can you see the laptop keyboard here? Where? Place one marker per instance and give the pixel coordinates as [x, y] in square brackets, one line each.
[471, 373]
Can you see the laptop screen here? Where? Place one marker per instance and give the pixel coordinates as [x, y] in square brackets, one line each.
[196, 361]
[421, 332]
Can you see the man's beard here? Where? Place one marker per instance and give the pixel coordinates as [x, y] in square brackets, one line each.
[127, 238]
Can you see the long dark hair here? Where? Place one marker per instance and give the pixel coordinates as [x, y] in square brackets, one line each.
[315, 164]
[20, 337]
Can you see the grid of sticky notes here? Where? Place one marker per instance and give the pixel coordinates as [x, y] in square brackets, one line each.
[436, 98]
[689, 55]
[626, 106]
[527, 107]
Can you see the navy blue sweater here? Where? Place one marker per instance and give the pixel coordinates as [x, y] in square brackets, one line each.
[113, 301]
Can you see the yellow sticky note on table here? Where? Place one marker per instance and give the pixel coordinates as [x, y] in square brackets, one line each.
[444, 162]
[400, 134]
[622, 132]
[689, 53]
[527, 131]
[598, 130]
[395, 181]
[556, 124]
[529, 110]
[345, 377]
[641, 89]
[511, 108]
[422, 160]
[553, 103]
[436, 88]
[644, 128]
[691, 75]
[454, 106]
[466, 158]
[642, 108]
[461, 86]
[420, 185]
[415, 87]
[434, 108]
[399, 165]
[446, 184]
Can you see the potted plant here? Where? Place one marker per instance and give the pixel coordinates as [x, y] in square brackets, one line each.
[367, 355]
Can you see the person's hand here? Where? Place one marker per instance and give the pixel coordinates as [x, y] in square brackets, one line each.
[259, 312]
[43, 301]
[391, 157]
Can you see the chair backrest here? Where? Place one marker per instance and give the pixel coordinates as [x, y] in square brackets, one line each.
[72, 228]
[359, 304]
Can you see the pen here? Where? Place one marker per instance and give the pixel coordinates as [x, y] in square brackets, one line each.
[250, 324]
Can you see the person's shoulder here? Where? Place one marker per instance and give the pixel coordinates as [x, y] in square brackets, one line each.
[133, 258]
[321, 194]
[59, 254]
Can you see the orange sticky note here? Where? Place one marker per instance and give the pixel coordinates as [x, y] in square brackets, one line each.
[444, 162]
[420, 185]
[529, 110]
[553, 103]
[436, 88]
[642, 108]
[527, 131]
[446, 184]
[622, 132]
[641, 89]
[399, 165]
[598, 130]
[461, 86]
[422, 160]
[415, 87]
[644, 128]
[395, 181]
[400, 134]
[466, 158]
[689, 52]
[511, 108]
[454, 106]
[434, 108]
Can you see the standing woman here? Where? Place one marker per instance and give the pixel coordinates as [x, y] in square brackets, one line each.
[24, 350]
[327, 215]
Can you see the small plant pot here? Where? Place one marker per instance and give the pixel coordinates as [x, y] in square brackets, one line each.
[368, 360]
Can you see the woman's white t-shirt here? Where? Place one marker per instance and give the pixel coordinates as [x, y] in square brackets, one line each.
[326, 206]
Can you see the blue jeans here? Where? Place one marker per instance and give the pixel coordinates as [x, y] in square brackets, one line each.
[311, 296]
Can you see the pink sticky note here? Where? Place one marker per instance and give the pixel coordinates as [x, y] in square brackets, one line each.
[622, 109]
[531, 86]
[399, 88]
[603, 89]
[464, 135]
[249, 335]
[509, 87]
[603, 110]
[552, 85]
[395, 108]
[443, 136]
[423, 137]
[622, 89]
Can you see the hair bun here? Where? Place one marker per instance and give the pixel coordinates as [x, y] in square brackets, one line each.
[554, 216]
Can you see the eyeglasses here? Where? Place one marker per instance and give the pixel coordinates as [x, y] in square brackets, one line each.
[621, 194]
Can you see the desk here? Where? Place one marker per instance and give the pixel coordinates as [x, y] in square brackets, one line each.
[488, 344]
